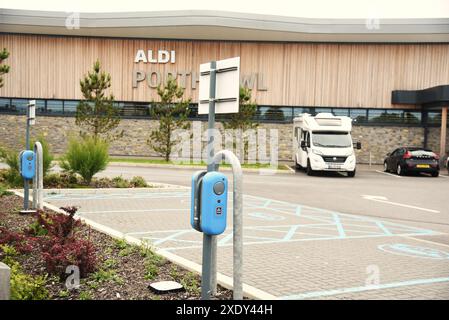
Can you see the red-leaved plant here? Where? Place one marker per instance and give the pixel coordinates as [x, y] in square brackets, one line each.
[59, 225]
[61, 248]
[19, 241]
[78, 252]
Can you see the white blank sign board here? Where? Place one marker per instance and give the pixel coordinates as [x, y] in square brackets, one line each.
[227, 86]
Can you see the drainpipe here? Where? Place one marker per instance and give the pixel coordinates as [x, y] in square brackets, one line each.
[426, 128]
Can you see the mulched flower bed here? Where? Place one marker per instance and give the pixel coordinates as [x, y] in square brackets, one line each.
[123, 271]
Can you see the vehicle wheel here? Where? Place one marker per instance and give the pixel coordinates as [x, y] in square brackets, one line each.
[399, 170]
[385, 167]
[309, 170]
[297, 166]
[351, 174]
[435, 174]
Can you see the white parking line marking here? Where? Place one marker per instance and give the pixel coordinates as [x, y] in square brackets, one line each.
[385, 200]
[387, 173]
[333, 292]
[428, 241]
[443, 176]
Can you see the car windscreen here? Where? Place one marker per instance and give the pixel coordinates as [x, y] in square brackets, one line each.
[331, 139]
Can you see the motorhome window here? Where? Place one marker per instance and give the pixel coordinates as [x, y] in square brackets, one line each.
[329, 139]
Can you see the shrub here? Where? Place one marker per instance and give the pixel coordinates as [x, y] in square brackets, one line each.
[11, 176]
[138, 182]
[86, 156]
[59, 225]
[26, 287]
[61, 180]
[36, 229]
[4, 192]
[23, 286]
[47, 157]
[101, 183]
[61, 249]
[20, 242]
[119, 182]
[58, 256]
[8, 254]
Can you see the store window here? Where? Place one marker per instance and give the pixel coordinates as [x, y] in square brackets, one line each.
[277, 114]
[5, 105]
[358, 115]
[322, 110]
[19, 105]
[70, 106]
[393, 116]
[40, 106]
[412, 117]
[340, 112]
[54, 107]
[434, 117]
[298, 111]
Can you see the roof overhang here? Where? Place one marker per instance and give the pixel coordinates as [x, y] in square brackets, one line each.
[433, 97]
[221, 25]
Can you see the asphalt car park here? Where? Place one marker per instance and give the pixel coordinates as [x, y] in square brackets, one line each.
[319, 237]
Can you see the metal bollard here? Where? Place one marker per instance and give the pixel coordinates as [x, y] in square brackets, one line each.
[5, 275]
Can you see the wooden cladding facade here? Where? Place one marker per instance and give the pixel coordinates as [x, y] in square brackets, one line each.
[294, 74]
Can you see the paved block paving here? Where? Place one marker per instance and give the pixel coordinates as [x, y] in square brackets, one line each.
[291, 251]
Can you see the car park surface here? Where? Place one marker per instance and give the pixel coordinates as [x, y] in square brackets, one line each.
[320, 237]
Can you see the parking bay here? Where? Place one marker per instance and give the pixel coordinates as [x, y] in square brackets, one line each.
[290, 250]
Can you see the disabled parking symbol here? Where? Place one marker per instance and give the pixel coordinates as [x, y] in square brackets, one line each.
[414, 251]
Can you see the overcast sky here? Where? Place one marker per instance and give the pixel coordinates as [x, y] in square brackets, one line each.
[298, 8]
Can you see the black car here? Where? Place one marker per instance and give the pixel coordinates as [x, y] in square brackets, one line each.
[412, 160]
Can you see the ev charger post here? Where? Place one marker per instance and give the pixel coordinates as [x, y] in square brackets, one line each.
[31, 120]
[208, 245]
[216, 95]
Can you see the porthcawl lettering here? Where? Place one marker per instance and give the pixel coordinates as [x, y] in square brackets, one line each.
[186, 78]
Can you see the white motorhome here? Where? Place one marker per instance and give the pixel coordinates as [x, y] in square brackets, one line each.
[324, 143]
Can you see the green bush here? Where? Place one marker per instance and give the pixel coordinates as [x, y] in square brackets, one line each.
[11, 157]
[86, 156]
[138, 182]
[23, 286]
[119, 182]
[12, 175]
[46, 153]
[4, 192]
[26, 287]
[61, 180]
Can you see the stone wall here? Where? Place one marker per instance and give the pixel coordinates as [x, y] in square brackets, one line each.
[376, 141]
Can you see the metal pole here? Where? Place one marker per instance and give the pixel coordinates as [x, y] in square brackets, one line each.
[38, 183]
[443, 132]
[237, 219]
[209, 245]
[26, 184]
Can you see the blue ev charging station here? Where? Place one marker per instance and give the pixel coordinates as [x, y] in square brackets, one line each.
[209, 202]
[27, 164]
[31, 165]
[219, 84]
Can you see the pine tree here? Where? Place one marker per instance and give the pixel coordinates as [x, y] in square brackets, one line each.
[244, 119]
[4, 54]
[96, 113]
[172, 112]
